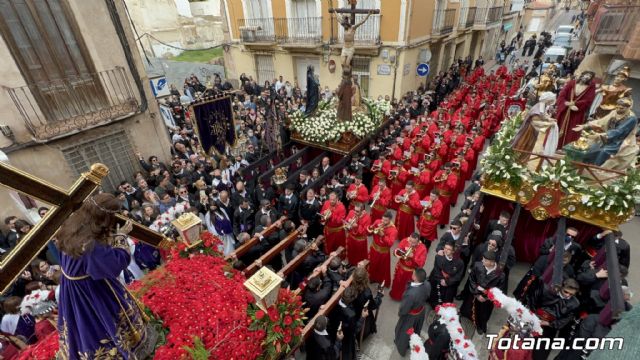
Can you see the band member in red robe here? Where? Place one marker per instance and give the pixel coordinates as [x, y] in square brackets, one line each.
[411, 254]
[333, 213]
[397, 179]
[429, 219]
[445, 181]
[356, 225]
[423, 180]
[380, 200]
[381, 169]
[572, 105]
[384, 235]
[408, 202]
[357, 192]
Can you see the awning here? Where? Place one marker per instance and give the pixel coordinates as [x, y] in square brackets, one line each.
[507, 26]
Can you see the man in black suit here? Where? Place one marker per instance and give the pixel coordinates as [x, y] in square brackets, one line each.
[570, 244]
[12, 237]
[445, 277]
[344, 313]
[477, 307]
[308, 213]
[243, 218]
[288, 203]
[501, 224]
[412, 311]
[317, 293]
[266, 209]
[319, 345]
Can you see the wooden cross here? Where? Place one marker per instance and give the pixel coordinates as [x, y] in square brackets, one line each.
[65, 203]
[353, 11]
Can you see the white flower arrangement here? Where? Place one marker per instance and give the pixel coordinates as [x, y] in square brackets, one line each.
[168, 216]
[417, 348]
[459, 341]
[516, 309]
[324, 125]
[498, 165]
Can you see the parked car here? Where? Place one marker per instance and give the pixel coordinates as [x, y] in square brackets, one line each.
[555, 54]
[566, 30]
[563, 40]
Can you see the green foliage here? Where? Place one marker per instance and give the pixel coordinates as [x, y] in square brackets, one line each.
[199, 56]
[198, 351]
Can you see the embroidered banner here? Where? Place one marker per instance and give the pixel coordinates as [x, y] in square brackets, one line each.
[214, 120]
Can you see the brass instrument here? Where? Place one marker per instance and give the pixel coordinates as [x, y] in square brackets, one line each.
[348, 225]
[442, 178]
[376, 167]
[351, 194]
[426, 207]
[325, 216]
[402, 199]
[378, 230]
[404, 255]
[393, 174]
[376, 196]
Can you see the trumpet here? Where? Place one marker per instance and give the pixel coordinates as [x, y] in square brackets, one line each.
[351, 195]
[442, 178]
[393, 174]
[349, 224]
[378, 230]
[376, 167]
[376, 196]
[402, 199]
[426, 207]
[404, 254]
[325, 215]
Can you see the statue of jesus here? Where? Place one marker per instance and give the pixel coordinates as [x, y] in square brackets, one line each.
[348, 49]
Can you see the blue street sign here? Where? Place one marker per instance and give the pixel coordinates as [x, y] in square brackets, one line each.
[422, 69]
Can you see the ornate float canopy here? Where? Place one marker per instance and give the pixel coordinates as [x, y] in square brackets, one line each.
[552, 186]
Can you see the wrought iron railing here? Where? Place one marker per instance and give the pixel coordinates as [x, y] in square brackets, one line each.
[282, 30]
[444, 21]
[61, 107]
[467, 17]
[494, 14]
[481, 16]
[614, 24]
[367, 34]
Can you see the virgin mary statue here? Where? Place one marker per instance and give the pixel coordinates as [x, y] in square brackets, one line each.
[98, 318]
[539, 132]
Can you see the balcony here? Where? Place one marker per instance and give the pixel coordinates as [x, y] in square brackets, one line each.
[613, 24]
[368, 34]
[444, 21]
[467, 17]
[486, 17]
[66, 106]
[289, 31]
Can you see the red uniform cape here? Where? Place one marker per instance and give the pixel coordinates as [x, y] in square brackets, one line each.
[357, 238]
[382, 204]
[398, 153]
[406, 144]
[428, 220]
[446, 190]
[379, 254]
[405, 218]
[333, 230]
[405, 268]
[567, 119]
[362, 194]
[423, 183]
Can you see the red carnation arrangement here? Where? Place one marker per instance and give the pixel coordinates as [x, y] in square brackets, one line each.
[281, 325]
[44, 349]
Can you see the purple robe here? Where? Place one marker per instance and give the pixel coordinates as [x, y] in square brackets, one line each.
[96, 313]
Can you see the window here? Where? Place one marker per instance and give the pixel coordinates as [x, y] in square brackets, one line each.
[362, 74]
[264, 69]
[112, 150]
[303, 8]
[43, 41]
[303, 20]
[258, 15]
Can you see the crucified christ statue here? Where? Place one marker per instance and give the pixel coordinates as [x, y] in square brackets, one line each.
[348, 49]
